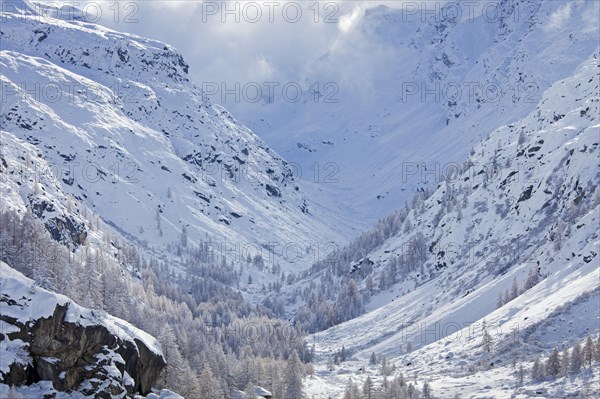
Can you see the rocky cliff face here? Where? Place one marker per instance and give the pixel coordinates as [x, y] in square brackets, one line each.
[47, 337]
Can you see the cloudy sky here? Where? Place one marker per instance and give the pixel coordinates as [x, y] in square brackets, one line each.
[255, 41]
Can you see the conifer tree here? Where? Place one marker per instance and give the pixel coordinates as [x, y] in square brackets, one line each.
[565, 362]
[173, 375]
[184, 237]
[532, 279]
[537, 370]
[208, 386]
[576, 359]
[589, 352]
[343, 354]
[368, 388]
[514, 290]
[553, 364]
[294, 373]
[499, 300]
[487, 341]
[520, 374]
[351, 391]
[426, 390]
[91, 286]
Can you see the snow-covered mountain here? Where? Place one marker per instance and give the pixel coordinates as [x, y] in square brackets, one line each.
[121, 130]
[474, 138]
[509, 241]
[417, 86]
[122, 185]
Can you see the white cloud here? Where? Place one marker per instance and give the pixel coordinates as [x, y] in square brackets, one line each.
[236, 45]
[559, 18]
[347, 20]
[263, 69]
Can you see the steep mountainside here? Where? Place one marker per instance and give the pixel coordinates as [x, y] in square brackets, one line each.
[126, 134]
[121, 187]
[509, 241]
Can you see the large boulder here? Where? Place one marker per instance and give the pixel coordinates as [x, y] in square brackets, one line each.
[46, 337]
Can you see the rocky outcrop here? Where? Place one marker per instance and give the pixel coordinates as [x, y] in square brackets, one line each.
[67, 230]
[75, 348]
[89, 358]
[63, 227]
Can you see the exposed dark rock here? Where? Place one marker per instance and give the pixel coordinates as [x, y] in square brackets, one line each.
[194, 158]
[273, 191]
[67, 230]
[202, 196]
[526, 194]
[189, 178]
[77, 357]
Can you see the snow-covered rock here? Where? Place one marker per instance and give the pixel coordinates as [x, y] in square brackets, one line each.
[259, 393]
[164, 394]
[47, 337]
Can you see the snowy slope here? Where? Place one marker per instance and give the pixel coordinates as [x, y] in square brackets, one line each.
[412, 87]
[126, 134]
[526, 201]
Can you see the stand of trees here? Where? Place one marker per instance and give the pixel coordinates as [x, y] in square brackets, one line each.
[533, 278]
[213, 340]
[394, 388]
[569, 362]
